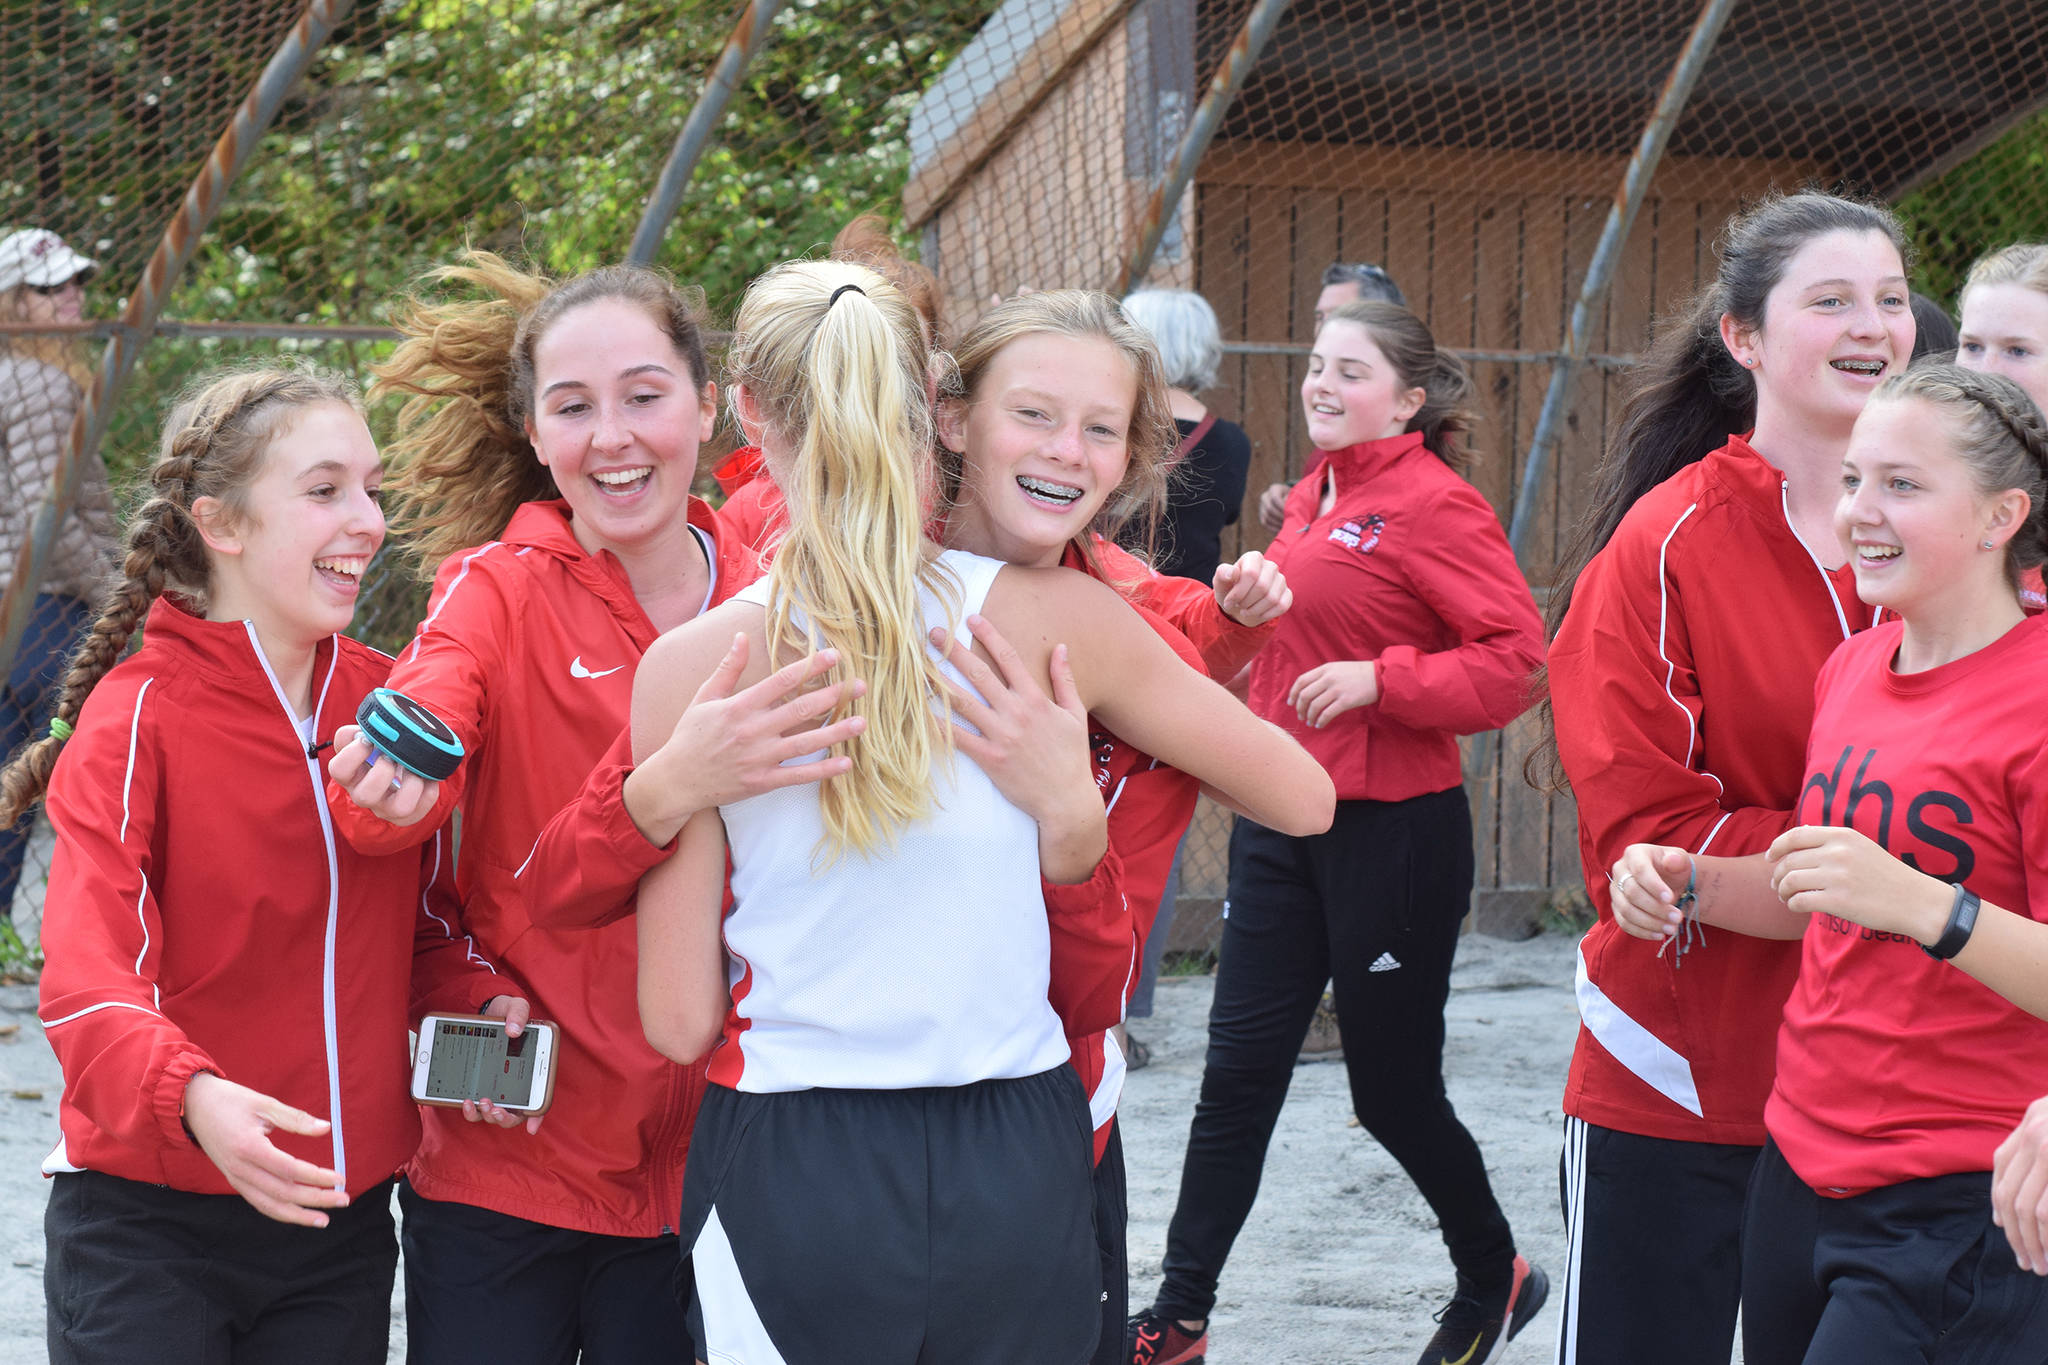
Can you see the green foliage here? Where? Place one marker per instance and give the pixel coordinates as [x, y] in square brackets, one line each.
[19, 960]
[541, 127]
[1997, 197]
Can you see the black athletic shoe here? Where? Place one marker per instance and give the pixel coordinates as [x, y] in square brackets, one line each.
[1474, 1330]
[1152, 1340]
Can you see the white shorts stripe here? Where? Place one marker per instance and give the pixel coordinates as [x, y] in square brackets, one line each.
[1635, 1047]
[733, 1331]
[1575, 1232]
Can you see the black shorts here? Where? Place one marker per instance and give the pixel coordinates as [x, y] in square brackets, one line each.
[141, 1272]
[949, 1226]
[1905, 1274]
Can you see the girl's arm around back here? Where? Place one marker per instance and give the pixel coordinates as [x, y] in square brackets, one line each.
[1137, 687]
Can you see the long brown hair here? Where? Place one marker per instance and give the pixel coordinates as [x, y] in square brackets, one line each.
[213, 446]
[460, 464]
[1688, 395]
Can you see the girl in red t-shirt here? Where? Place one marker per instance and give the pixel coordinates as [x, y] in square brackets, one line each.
[1923, 825]
[1411, 625]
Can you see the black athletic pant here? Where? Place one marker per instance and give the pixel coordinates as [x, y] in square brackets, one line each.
[1112, 1219]
[1907, 1274]
[484, 1286]
[1654, 1270]
[1373, 906]
[948, 1225]
[138, 1272]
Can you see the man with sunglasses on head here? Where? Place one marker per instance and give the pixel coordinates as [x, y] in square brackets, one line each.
[43, 376]
[1344, 282]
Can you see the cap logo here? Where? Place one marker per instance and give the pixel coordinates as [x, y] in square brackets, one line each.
[41, 248]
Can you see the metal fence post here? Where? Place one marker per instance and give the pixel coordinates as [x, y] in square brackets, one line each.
[747, 36]
[1223, 87]
[1621, 219]
[180, 240]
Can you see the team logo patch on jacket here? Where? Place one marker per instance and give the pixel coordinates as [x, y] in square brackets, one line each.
[1361, 534]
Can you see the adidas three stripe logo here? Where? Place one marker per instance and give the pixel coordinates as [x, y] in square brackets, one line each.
[1384, 963]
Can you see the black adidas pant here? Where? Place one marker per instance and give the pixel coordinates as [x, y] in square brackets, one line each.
[140, 1272]
[1642, 1212]
[1373, 906]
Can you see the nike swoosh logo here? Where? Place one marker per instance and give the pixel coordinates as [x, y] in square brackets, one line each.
[1469, 1353]
[577, 670]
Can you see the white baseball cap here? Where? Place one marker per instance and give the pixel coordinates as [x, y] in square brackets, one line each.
[38, 256]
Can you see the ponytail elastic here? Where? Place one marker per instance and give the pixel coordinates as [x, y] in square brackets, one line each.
[60, 729]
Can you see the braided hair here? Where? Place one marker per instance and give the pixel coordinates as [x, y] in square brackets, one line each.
[1999, 433]
[213, 447]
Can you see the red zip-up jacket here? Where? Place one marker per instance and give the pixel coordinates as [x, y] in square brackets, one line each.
[202, 916]
[528, 652]
[1682, 682]
[1409, 569]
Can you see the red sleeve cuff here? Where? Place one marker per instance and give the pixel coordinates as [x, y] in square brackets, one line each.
[169, 1092]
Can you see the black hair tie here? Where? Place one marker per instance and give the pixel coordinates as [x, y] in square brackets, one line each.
[841, 290]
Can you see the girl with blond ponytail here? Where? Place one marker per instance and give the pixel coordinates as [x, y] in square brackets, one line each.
[227, 985]
[874, 1007]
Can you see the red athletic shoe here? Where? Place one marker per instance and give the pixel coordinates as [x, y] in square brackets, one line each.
[1152, 1340]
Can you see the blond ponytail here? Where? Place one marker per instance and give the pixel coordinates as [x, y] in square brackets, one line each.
[831, 354]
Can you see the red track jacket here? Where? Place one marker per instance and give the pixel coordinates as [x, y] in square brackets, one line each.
[1682, 681]
[202, 916]
[1408, 568]
[528, 652]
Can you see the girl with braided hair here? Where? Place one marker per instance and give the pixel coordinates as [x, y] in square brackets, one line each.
[1916, 881]
[228, 985]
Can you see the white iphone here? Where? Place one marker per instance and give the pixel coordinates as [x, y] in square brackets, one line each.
[468, 1057]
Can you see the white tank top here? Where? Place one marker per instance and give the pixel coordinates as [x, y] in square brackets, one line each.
[922, 965]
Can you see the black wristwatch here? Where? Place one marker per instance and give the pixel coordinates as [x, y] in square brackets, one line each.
[1962, 918]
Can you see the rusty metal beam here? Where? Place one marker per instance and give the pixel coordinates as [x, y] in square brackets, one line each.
[1621, 218]
[138, 320]
[1223, 87]
[756, 17]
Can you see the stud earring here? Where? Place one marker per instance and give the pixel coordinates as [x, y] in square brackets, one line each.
[1989, 546]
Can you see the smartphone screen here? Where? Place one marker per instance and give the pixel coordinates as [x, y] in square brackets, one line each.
[476, 1062]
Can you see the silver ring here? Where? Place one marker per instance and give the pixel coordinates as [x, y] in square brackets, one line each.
[397, 781]
[1621, 882]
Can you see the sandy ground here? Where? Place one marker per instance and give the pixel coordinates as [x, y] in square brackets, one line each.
[1341, 1261]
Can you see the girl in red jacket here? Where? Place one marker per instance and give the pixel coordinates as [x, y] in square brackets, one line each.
[1917, 887]
[228, 985]
[1411, 625]
[1681, 683]
[546, 462]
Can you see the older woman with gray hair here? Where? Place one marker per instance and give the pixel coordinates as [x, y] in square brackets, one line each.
[1207, 490]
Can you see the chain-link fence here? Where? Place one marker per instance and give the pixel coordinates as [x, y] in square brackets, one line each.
[1475, 148]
